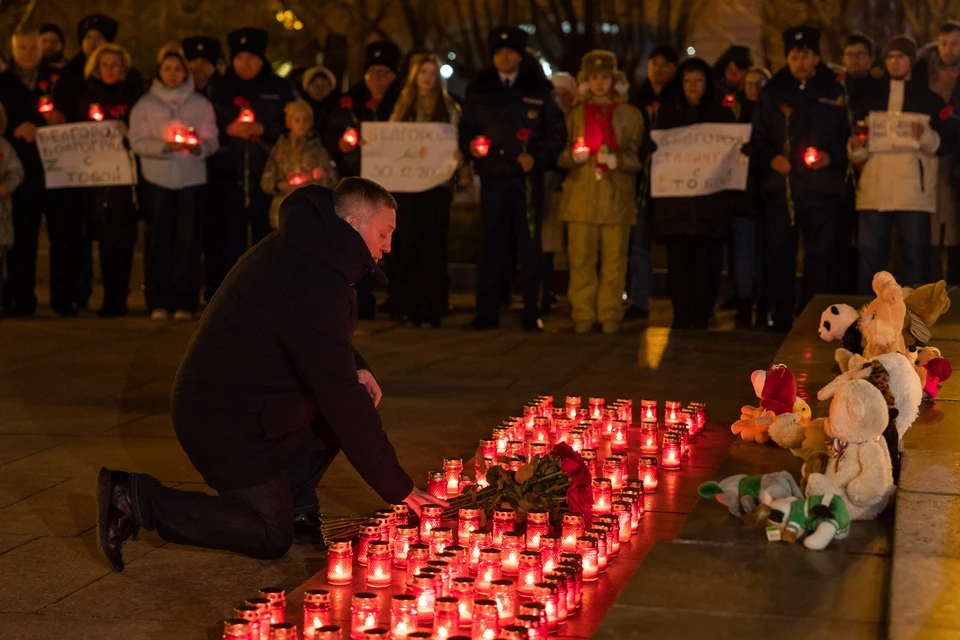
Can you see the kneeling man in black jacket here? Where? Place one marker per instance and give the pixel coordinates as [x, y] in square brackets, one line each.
[271, 389]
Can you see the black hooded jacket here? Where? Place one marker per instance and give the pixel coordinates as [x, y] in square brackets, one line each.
[356, 107]
[500, 112]
[271, 374]
[818, 118]
[707, 215]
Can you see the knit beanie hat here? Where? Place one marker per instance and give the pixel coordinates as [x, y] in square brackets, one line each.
[905, 45]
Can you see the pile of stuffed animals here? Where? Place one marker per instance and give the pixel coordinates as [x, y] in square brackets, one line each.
[851, 458]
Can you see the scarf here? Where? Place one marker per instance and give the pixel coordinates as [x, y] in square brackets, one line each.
[598, 127]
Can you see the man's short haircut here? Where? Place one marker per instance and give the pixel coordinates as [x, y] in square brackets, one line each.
[856, 38]
[668, 53]
[360, 191]
[950, 26]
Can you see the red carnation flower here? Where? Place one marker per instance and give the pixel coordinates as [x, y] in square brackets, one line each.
[346, 102]
[54, 77]
[240, 101]
[43, 84]
[787, 109]
[373, 103]
[524, 134]
[947, 112]
[840, 77]
[118, 110]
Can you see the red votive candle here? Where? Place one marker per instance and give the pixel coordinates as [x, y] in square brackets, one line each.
[530, 572]
[468, 521]
[488, 569]
[95, 112]
[403, 615]
[503, 520]
[546, 594]
[504, 593]
[437, 484]
[647, 470]
[537, 609]
[573, 405]
[431, 517]
[532, 625]
[587, 547]
[401, 514]
[618, 436]
[379, 565]
[464, 590]
[810, 156]
[424, 589]
[440, 539]
[479, 540]
[486, 620]
[611, 471]
[456, 555]
[284, 631]
[364, 614]
[351, 137]
[570, 576]
[330, 632]
[602, 495]
[576, 441]
[538, 525]
[595, 406]
[649, 438]
[511, 544]
[446, 618]
[624, 460]
[443, 568]
[541, 431]
[370, 532]
[560, 582]
[246, 115]
[549, 552]
[671, 412]
[418, 555]
[488, 449]
[589, 457]
[672, 454]
[648, 411]
[44, 105]
[251, 614]
[388, 524]
[626, 410]
[600, 538]
[277, 598]
[571, 529]
[580, 147]
[482, 145]
[265, 619]
[538, 450]
[405, 536]
[317, 611]
[452, 468]
[236, 629]
[606, 422]
[530, 413]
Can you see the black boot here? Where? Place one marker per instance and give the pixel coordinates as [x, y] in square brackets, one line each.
[744, 317]
[115, 521]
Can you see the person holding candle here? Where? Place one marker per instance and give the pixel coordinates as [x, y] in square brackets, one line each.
[603, 140]
[297, 159]
[692, 228]
[271, 389]
[802, 107]
[513, 130]
[173, 129]
[419, 264]
[249, 101]
[371, 100]
[25, 91]
[897, 188]
[110, 212]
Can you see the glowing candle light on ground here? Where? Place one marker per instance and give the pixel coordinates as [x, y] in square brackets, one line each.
[512, 544]
[236, 629]
[403, 615]
[380, 565]
[504, 593]
[647, 470]
[364, 614]
[486, 620]
[317, 611]
[464, 589]
[452, 468]
[530, 572]
[571, 529]
[618, 436]
[446, 618]
[672, 454]
[589, 558]
[649, 438]
[602, 495]
[425, 591]
[488, 569]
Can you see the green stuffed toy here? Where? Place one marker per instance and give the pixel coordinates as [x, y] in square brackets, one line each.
[743, 494]
[826, 516]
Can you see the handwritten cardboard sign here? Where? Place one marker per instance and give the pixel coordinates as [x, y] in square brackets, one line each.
[698, 160]
[86, 154]
[408, 157]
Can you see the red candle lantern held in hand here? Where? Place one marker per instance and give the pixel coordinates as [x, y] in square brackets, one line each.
[340, 563]
[44, 105]
[580, 147]
[647, 470]
[317, 611]
[246, 115]
[811, 155]
[446, 618]
[482, 146]
[364, 614]
[379, 565]
[95, 112]
[351, 137]
[403, 615]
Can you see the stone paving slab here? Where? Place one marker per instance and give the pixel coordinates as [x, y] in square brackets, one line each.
[91, 627]
[931, 472]
[926, 591]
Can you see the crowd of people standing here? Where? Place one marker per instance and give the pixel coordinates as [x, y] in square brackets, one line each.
[564, 163]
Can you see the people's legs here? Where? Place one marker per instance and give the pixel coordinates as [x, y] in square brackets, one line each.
[529, 246]
[913, 235]
[402, 280]
[117, 240]
[744, 258]
[230, 222]
[211, 238]
[582, 244]
[953, 265]
[874, 236]
[434, 227]
[820, 224]
[160, 211]
[305, 475]
[679, 280]
[22, 257]
[706, 259]
[496, 229]
[614, 249]
[641, 262]
[781, 263]
[64, 231]
[185, 272]
[255, 521]
[258, 213]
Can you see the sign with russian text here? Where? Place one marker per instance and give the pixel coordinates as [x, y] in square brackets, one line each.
[86, 154]
[698, 160]
[408, 157]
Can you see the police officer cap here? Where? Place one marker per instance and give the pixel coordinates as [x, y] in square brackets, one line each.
[507, 38]
[201, 47]
[248, 40]
[801, 37]
[383, 53]
[104, 24]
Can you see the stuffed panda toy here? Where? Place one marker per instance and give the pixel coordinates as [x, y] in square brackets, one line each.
[841, 322]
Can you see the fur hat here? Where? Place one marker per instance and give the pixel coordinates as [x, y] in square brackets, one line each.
[247, 40]
[201, 47]
[383, 53]
[313, 72]
[800, 37]
[104, 24]
[507, 38]
[49, 27]
[601, 61]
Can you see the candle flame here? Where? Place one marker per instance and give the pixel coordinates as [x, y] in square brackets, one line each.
[489, 634]
[316, 623]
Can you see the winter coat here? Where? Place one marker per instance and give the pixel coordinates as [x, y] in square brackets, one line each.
[11, 176]
[747, 203]
[304, 157]
[499, 112]
[109, 210]
[323, 109]
[21, 104]
[592, 193]
[72, 85]
[270, 374]
[903, 181]
[152, 122]
[819, 119]
[356, 107]
[267, 95]
[698, 215]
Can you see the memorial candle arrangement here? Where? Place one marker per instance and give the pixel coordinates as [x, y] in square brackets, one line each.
[364, 614]
[317, 611]
[403, 615]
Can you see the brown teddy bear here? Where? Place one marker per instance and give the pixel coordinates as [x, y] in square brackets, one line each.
[924, 305]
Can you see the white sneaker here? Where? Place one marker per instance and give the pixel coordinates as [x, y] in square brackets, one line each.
[160, 314]
[183, 316]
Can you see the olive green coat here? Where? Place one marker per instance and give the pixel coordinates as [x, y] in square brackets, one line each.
[612, 198]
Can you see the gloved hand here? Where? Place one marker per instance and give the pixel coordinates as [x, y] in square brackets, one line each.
[607, 159]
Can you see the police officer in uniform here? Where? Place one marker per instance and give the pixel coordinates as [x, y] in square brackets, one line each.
[202, 53]
[800, 129]
[511, 105]
[249, 102]
[371, 100]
